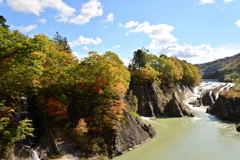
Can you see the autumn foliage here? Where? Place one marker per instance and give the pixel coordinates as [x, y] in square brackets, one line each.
[107, 79]
[167, 70]
[85, 98]
[56, 107]
[81, 127]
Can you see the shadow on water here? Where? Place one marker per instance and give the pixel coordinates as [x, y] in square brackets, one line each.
[214, 118]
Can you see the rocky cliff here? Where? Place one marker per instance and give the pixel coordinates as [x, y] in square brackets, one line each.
[130, 133]
[226, 108]
[154, 101]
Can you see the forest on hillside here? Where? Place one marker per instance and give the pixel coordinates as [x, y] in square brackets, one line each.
[85, 99]
[225, 69]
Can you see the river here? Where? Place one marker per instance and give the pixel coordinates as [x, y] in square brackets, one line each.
[202, 137]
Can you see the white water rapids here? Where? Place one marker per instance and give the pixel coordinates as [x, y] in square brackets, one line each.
[204, 87]
[203, 137]
[34, 155]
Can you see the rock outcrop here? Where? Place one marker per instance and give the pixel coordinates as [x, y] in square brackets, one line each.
[226, 108]
[131, 133]
[207, 98]
[176, 108]
[156, 102]
[238, 127]
[210, 96]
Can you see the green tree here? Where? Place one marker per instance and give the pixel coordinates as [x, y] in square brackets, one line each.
[3, 22]
[139, 58]
[12, 130]
[62, 43]
[169, 69]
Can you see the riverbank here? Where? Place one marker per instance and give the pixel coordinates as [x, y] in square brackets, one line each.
[202, 137]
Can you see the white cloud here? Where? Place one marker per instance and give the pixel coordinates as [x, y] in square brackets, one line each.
[85, 47]
[207, 1]
[228, 1]
[237, 23]
[185, 51]
[159, 34]
[27, 6]
[37, 7]
[42, 20]
[66, 13]
[115, 47]
[163, 42]
[65, 10]
[85, 41]
[1, 1]
[126, 61]
[26, 29]
[199, 54]
[88, 11]
[80, 56]
[110, 17]
[129, 24]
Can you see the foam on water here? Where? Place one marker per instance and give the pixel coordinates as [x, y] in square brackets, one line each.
[35, 155]
[146, 118]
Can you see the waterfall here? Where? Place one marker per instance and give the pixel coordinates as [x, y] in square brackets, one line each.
[211, 97]
[229, 86]
[220, 90]
[151, 107]
[34, 155]
[224, 88]
[213, 87]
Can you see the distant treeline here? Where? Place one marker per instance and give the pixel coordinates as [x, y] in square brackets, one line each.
[225, 69]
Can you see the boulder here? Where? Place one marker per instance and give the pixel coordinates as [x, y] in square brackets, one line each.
[196, 103]
[176, 108]
[207, 98]
[238, 127]
[226, 108]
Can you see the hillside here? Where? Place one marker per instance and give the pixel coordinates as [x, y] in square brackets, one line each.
[225, 69]
[56, 104]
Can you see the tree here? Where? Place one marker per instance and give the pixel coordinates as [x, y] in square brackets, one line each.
[139, 58]
[62, 43]
[2, 22]
[164, 69]
[113, 56]
[190, 74]
[86, 97]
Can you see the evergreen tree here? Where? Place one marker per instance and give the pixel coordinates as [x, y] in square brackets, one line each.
[2, 22]
[139, 58]
[62, 43]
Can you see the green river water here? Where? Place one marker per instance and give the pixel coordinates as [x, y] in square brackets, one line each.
[199, 138]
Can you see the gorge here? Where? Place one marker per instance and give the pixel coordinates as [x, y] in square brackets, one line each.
[203, 137]
[54, 105]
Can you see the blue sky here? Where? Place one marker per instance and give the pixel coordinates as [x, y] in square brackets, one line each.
[194, 30]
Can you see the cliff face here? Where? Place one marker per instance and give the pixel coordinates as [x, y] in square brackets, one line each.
[226, 108]
[156, 102]
[131, 133]
[152, 101]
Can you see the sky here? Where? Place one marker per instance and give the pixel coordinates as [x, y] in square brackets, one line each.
[194, 30]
